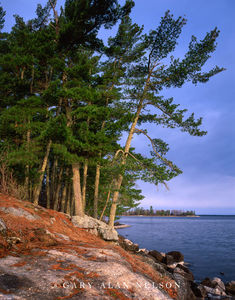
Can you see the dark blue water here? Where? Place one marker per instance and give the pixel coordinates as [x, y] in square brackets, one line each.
[207, 242]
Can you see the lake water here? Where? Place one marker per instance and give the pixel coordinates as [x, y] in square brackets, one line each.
[207, 242]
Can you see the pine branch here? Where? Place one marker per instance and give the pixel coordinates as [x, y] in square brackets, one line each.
[154, 149]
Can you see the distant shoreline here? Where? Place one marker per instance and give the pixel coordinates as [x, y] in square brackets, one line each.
[163, 216]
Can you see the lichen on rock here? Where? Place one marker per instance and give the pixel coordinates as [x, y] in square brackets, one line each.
[96, 227]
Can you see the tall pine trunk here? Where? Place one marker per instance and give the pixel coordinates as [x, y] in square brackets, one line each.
[56, 199]
[84, 184]
[97, 178]
[77, 190]
[27, 166]
[118, 182]
[53, 181]
[65, 191]
[48, 185]
[63, 198]
[96, 191]
[37, 189]
[69, 199]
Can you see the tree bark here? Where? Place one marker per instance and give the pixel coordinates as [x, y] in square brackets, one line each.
[85, 169]
[53, 181]
[42, 170]
[27, 166]
[56, 200]
[48, 185]
[96, 191]
[72, 207]
[105, 206]
[115, 201]
[65, 191]
[97, 178]
[77, 190]
[69, 199]
[63, 198]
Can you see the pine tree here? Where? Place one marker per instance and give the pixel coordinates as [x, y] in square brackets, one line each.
[149, 76]
[77, 92]
[66, 100]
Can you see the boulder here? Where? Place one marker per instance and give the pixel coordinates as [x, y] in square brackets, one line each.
[127, 244]
[3, 226]
[19, 212]
[177, 256]
[208, 282]
[143, 251]
[150, 260]
[214, 286]
[184, 291]
[198, 290]
[161, 269]
[184, 271]
[85, 222]
[230, 288]
[157, 255]
[96, 227]
[168, 260]
[219, 283]
[217, 291]
[107, 233]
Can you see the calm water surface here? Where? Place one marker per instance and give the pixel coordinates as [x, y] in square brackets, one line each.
[207, 242]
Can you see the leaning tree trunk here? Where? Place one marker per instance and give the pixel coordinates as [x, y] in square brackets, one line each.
[119, 180]
[115, 200]
[77, 190]
[105, 206]
[42, 170]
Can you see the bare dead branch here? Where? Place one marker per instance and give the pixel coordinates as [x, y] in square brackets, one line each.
[55, 16]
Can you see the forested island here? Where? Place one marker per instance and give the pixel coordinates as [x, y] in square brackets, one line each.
[140, 211]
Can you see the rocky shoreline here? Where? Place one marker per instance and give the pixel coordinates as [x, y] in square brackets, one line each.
[172, 264]
[47, 255]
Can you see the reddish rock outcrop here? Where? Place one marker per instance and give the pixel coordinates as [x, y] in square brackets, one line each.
[44, 256]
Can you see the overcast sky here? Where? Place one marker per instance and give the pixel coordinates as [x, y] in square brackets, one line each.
[207, 184]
